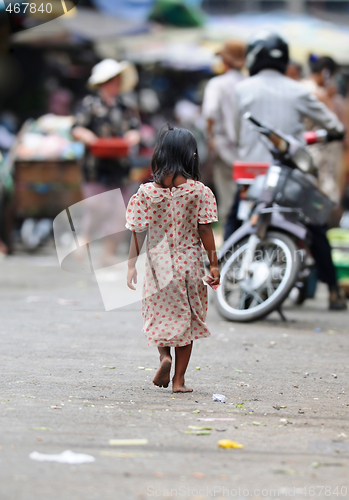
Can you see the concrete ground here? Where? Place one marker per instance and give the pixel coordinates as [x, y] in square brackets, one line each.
[73, 377]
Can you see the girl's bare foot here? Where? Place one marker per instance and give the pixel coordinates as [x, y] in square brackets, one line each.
[162, 377]
[179, 386]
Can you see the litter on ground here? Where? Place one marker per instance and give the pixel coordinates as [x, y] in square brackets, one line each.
[226, 443]
[66, 457]
[199, 428]
[326, 464]
[219, 397]
[198, 432]
[127, 442]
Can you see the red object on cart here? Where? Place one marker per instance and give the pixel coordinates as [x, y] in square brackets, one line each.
[246, 172]
[110, 147]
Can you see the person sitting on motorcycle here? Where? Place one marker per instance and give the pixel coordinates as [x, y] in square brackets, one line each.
[273, 98]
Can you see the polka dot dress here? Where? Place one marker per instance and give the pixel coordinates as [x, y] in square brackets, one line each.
[174, 297]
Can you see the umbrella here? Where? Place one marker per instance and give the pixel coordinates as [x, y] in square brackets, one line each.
[79, 24]
[169, 46]
[177, 13]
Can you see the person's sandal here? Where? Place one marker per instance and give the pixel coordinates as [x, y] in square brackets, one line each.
[337, 301]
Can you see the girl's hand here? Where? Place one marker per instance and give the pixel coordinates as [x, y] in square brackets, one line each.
[214, 271]
[132, 277]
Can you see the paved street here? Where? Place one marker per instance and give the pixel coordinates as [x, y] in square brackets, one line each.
[71, 380]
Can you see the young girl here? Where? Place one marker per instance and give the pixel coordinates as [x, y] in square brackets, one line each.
[175, 211]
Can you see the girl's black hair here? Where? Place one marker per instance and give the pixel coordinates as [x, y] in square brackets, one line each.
[175, 153]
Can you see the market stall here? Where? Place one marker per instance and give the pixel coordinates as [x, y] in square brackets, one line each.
[46, 168]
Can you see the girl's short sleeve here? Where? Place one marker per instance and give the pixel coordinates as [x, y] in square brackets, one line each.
[137, 213]
[208, 207]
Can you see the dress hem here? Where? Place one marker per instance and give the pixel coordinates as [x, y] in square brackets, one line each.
[178, 344]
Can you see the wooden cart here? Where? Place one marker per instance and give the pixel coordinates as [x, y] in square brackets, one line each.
[45, 188]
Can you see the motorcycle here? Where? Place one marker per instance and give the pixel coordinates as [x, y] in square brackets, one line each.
[264, 259]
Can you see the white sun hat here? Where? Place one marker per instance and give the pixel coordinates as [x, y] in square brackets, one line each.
[108, 68]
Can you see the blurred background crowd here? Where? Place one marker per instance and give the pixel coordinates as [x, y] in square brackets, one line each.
[122, 68]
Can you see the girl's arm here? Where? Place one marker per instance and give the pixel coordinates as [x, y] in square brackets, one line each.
[206, 235]
[137, 241]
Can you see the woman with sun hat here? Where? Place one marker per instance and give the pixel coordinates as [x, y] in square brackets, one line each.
[106, 113]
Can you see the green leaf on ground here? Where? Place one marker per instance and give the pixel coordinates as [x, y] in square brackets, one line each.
[198, 432]
[199, 427]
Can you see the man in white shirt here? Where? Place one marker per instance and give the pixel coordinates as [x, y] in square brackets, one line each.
[218, 109]
[275, 99]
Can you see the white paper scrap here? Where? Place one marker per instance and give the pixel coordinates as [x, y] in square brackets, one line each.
[66, 457]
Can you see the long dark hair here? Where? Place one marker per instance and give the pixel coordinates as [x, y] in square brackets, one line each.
[175, 153]
[318, 64]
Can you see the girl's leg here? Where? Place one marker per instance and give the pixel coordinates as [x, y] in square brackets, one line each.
[162, 377]
[182, 360]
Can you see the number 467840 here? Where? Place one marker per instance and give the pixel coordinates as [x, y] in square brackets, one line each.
[21, 8]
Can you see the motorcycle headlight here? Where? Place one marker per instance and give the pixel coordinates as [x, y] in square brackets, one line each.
[303, 161]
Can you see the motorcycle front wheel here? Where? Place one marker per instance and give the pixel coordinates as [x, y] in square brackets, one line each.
[245, 297]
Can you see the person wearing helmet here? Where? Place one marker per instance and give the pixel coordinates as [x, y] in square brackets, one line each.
[275, 99]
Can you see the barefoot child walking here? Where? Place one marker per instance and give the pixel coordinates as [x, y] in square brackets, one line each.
[175, 212]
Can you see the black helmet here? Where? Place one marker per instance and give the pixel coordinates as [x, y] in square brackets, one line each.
[267, 50]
